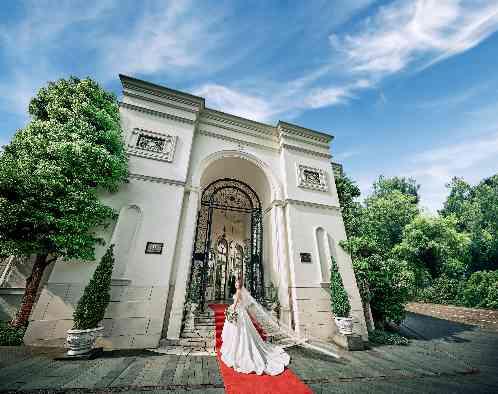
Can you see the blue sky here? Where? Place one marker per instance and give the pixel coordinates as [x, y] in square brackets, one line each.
[407, 87]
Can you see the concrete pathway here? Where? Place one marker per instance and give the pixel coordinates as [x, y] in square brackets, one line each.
[445, 357]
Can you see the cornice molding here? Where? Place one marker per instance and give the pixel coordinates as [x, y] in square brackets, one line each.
[307, 151]
[312, 204]
[290, 201]
[236, 140]
[166, 104]
[154, 112]
[239, 131]
[161, 91]
[154, 179]
[234, 120]
[290, 128]
[322, 145]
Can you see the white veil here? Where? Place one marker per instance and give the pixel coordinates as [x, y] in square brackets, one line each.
[278, 333]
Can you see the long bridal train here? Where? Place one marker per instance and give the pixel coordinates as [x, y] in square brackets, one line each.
[242, 347]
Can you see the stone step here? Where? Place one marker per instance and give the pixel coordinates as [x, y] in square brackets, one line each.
[185, 342]
[205, 325]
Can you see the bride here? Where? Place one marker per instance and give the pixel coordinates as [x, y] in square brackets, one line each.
[242, 348]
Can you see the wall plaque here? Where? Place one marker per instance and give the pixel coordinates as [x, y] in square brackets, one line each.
[305, 257]
[152, 145]
[154, 248]
[311, 178]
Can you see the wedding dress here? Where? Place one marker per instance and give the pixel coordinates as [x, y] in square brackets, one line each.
[242, 347]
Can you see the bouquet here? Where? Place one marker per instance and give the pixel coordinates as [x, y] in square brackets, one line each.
[231, 314]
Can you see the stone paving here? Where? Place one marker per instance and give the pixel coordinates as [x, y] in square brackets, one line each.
[443, 357]
[484, 318]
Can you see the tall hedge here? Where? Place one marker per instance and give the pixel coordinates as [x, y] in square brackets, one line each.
[92, 305]
[339, 297]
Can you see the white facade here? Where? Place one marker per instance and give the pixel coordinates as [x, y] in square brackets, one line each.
[177, 147]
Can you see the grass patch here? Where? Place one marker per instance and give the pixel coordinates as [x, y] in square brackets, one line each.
[381, 337]
[10, 336]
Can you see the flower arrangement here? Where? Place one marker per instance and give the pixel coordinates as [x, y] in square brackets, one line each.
[231, 314]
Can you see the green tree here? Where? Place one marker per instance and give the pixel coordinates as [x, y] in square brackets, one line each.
[96, 296]
[476, 210]
[390, 285]
[384, 218]
[348, 192]
[386, 282]
[51, 175]
[458, 202]
[434, 245]
[408, 186]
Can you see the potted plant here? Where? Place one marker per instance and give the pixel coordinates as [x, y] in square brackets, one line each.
[91, 308]
[340, 301]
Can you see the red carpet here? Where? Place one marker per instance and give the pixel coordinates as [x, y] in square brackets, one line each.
[239, 383]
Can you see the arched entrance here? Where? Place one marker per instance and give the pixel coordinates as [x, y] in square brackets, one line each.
[228, 243]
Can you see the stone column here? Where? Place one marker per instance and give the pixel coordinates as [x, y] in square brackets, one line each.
[283, 263]
[186, 244]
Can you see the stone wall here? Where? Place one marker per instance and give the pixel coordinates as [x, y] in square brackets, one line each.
[133, 319]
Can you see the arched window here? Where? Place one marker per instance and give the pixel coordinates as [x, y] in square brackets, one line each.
[124, 238]
[324, 254]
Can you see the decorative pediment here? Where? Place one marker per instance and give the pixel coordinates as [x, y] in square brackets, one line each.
[152, 145]
[311, 178]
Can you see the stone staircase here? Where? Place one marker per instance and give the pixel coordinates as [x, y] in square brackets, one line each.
[196, 340]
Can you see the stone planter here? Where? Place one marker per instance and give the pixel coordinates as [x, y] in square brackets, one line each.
[81, 342]
[190, 317]
[345, 324]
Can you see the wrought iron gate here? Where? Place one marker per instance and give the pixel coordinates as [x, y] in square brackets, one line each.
[232, 195]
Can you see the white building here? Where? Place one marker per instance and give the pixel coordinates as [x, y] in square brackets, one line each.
[211, 196]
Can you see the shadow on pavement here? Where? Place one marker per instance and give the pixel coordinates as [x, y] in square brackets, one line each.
[428, 328]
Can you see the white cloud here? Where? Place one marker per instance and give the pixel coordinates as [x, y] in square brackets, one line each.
[234, 102]
[291, 101]
[166, 38]
[405, 31]
[434, 168]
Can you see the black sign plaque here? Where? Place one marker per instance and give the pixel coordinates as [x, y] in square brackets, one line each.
[154, 248]
[305, 257]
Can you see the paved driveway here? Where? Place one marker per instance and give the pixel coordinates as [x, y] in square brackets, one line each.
[445, 357]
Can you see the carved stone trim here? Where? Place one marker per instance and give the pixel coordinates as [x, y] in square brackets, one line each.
[161, 91]
[307, 151]
[165, 103]
[147, 178]
[236, 140]
[239, 131]
[234, 120]
[152, 145]
[311, 178]
[322, 145]
[312, 204]
[289, 128]
[153, 112]
[290, 201]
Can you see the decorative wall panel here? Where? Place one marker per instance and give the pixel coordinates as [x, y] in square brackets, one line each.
[311, 178]
[152, 145]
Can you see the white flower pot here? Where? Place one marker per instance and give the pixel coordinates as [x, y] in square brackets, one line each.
[82, 341]
[345, 324]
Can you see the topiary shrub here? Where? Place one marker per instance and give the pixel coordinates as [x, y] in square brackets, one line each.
[338, 295]
[11, 336]
[96, 296]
